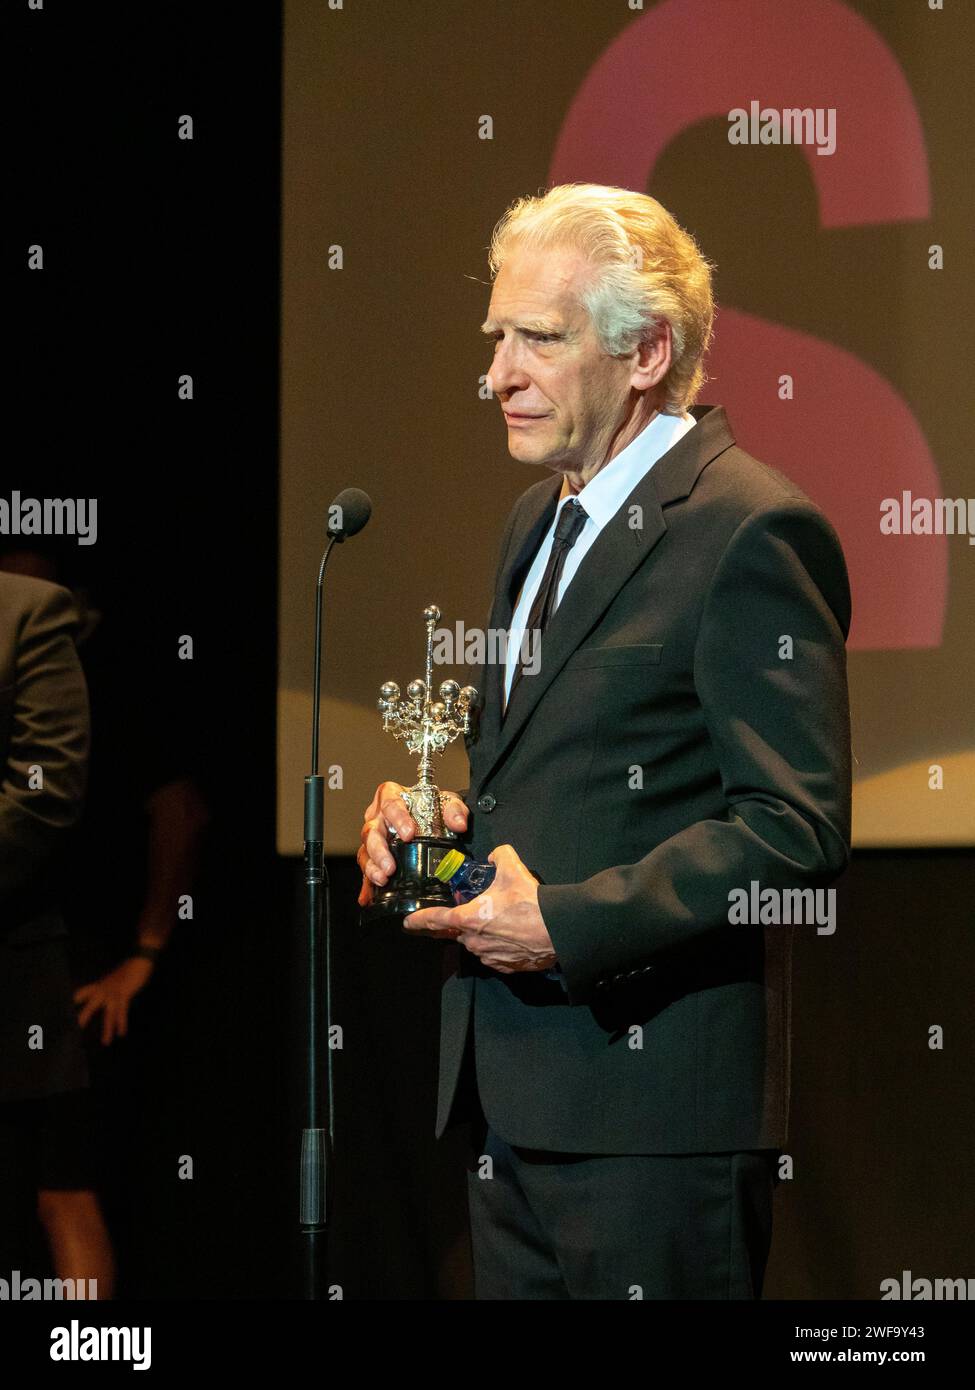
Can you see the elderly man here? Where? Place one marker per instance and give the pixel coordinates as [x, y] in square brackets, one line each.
[686, 737]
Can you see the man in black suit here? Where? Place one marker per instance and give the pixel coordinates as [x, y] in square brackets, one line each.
[685, 736]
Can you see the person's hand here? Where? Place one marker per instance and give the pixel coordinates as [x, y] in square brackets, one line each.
[113, 993]
[502, 926]
[387, 811]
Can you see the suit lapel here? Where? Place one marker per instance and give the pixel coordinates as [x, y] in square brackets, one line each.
[608, 564]
[538, 511]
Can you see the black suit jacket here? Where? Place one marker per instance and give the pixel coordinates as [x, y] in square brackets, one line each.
[44, 723]
[664, 755]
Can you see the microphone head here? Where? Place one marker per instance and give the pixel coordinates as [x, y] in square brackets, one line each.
[349, 513]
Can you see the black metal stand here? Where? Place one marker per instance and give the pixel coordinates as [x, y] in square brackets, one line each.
[317, 1140]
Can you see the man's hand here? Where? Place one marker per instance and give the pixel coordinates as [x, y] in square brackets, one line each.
[387, 811]
[114, 993]
[502, 926]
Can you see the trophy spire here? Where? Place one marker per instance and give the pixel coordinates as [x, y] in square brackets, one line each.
[426, 725]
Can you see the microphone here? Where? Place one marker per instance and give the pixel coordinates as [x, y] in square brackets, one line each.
[349, 513]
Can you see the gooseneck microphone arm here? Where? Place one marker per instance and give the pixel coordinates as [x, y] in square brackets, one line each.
[316, 694]
[348, 514]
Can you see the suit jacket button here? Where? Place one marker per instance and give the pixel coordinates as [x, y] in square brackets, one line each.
[486, 802]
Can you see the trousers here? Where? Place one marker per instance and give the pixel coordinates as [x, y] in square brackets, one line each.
[618, 1226]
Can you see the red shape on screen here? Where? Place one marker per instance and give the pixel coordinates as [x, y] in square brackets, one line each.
[848, 439]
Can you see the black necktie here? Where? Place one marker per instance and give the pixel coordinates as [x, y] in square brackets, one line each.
[572, 518]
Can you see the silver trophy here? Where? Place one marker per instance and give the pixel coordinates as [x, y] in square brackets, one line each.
[426, 725]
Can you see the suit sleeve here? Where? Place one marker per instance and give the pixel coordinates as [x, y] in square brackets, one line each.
[49, 732]
[779, 728]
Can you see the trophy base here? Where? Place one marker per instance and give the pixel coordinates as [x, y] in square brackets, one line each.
[413, 886]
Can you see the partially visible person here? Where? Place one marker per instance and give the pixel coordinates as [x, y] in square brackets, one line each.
[134, 853]
[45, 1125]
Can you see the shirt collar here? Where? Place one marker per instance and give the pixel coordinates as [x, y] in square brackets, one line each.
[604, 494]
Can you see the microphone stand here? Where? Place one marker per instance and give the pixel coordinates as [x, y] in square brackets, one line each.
[317, 1142]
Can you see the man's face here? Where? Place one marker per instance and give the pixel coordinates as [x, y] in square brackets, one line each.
[563, 397]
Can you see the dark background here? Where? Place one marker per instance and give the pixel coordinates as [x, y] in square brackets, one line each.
[162, 257]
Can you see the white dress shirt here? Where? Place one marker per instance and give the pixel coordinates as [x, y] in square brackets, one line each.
[602, 498]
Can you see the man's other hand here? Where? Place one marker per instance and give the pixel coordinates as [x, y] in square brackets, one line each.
[502, 926]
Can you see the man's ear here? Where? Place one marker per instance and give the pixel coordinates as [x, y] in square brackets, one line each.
[653, 358]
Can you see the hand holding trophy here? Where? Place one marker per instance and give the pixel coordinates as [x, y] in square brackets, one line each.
[426, 725]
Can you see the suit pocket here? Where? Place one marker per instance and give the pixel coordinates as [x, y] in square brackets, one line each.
[633, 654]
